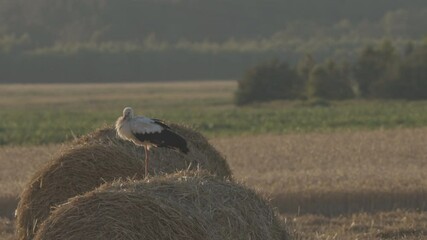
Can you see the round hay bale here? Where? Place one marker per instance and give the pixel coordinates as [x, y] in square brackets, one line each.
[201, 155]
[184, 205]
[100, 135]
[101, 157]
[74, 172]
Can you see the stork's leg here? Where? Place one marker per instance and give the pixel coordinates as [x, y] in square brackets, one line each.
[146, 161]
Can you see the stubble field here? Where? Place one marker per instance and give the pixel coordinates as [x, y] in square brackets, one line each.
[351, 170]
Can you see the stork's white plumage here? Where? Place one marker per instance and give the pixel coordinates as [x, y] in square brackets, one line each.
[148, 133]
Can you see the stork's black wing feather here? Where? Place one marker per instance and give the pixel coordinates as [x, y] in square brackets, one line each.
[166, 138]
[161, 123]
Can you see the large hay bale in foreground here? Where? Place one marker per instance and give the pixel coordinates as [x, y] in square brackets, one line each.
[87, 165]
[201, 155]
[184, 205]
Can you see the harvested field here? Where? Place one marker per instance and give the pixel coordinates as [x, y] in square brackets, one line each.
[335, 173]
[408, 225]
[310, 171]
[18, 164]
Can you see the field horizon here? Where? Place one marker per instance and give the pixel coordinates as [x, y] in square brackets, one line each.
[34, 114]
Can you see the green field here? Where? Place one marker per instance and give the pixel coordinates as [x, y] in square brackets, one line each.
[41, 114]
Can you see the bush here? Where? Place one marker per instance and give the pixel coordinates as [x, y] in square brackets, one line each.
[379, 72]
[268, 81]
[329, 81]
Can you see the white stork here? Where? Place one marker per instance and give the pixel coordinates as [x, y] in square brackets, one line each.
[148, 133]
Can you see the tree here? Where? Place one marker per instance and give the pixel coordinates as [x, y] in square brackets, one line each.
[303, 68]
[372, 66]
[329, 81]
[410, 82]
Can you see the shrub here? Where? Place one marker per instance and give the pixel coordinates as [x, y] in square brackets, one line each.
[268, 81]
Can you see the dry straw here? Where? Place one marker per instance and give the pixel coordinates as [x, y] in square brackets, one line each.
[184, 205]
[98, 158]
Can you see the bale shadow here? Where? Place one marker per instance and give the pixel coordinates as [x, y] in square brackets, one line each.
[348, 202]
[8, 206]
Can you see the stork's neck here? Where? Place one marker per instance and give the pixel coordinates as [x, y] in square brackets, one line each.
[127, 117]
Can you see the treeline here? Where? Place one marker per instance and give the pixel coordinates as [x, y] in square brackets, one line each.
[121, 62]
[151, 40]
[156, 60]
[122, 67]
[50, 21]
[379, 71]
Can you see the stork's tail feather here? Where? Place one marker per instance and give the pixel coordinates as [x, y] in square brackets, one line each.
[173, 140]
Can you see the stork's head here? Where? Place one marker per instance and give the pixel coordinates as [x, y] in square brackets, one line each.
[127, 113]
